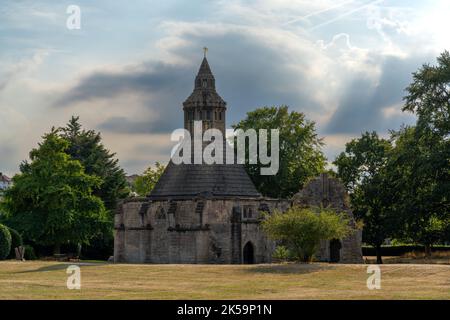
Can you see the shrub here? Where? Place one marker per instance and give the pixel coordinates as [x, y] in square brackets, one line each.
[16, 241]
[5, 242]
[29, 253]
[301, 229]
[281, 253]
[101, 247]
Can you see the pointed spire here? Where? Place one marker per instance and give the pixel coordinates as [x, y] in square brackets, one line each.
[205, 79]
[205, 69]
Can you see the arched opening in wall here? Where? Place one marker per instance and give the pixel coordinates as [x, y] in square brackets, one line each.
[249, 253]
[335, 250]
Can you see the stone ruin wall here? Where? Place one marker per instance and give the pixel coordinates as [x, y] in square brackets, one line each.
[192, 231]
[212, 230]
[326, 191]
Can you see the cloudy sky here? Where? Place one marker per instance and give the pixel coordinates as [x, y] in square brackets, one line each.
[126, 72]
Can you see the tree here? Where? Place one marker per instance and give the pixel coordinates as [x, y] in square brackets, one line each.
[51, 200]
[427, 155]
[429, 96]
[5, 242]
[414, 171]
[361, 169]
[301, 229]
[145, 183]
[300, 151]
[86, 147]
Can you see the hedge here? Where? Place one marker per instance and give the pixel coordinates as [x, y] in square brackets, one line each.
[400, 250]
[5, 242]
[29, 253]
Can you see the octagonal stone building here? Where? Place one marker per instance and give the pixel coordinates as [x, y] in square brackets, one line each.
[209, 213]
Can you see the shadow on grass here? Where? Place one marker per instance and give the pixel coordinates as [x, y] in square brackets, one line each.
[289, 268]
[63, 266]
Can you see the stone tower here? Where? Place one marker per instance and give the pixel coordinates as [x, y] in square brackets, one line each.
[204, 103]
[190, 180]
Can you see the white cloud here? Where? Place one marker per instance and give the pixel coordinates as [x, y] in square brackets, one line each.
[320, 49]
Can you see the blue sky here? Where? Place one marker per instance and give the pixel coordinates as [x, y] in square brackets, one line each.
[128, 69]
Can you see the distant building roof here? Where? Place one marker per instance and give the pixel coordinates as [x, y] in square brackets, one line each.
[4, 178]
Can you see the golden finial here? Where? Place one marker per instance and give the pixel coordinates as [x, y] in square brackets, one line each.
[205, 50]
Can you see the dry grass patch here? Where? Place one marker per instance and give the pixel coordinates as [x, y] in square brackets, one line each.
[47, 280]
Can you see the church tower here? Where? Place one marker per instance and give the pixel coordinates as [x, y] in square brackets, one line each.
[214, 180]
[204, 103]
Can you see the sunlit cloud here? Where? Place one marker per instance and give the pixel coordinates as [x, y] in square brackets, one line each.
[345, 64]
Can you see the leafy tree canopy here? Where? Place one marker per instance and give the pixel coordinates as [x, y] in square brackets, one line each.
[145, 183]
[361, 168]
[86, 147]
[300, 154]
[423, 154]
[51, 201]
[429, 96]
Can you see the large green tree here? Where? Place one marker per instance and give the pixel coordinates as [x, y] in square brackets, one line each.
[86, 146]
[424, 153]
[361, 168]
[415, 171]
[51, 201]
[300, 154]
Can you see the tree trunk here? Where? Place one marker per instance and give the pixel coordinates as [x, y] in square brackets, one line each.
[427, 250]
[378, 252]
[57, 249]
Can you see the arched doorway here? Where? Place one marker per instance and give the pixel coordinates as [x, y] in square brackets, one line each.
[335, 250]
[249, 253]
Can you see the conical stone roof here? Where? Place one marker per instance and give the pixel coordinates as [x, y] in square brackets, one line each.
[210, 180]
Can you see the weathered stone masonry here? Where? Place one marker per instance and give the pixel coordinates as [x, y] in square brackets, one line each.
[193, 231]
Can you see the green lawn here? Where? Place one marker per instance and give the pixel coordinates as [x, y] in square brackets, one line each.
[47, 280]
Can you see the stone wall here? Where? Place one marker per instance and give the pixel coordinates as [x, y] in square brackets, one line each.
[329, 192]
[216, 230]
[192, 231]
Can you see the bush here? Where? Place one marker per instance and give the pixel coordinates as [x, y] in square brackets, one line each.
[101, 247]
[16, 241]
[5, 242]
[301, 229]
[29, 253]
[281, 253]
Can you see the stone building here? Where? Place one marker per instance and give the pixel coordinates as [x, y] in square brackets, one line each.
[325, 191]
[201, 213]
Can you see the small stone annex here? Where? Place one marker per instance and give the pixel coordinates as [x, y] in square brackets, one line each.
[211, 213]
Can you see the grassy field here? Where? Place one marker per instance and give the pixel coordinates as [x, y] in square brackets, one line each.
[47, 280]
